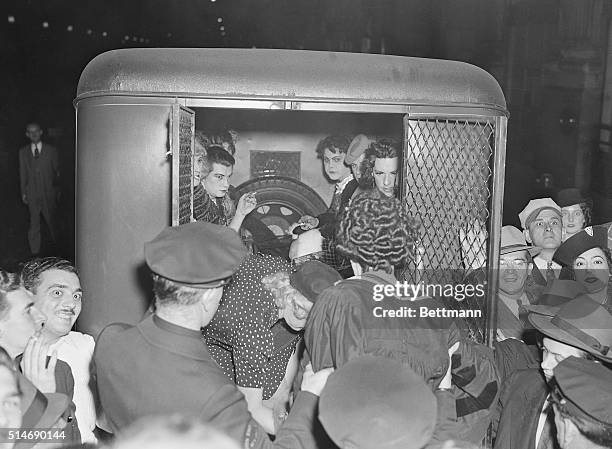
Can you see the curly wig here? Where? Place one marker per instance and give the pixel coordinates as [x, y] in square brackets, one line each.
[376, 231]
[381, 149]
[278, 284]
[335, 144]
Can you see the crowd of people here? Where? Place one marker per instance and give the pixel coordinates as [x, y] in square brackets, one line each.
[244, 349]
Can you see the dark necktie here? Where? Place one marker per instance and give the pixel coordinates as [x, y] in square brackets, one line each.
[36, 152]
[221, 209]
[335, 203]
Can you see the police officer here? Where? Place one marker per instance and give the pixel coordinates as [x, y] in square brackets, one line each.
[162, 365]
[581, 403]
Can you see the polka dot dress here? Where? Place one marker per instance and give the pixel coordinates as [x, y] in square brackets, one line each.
[246, 337]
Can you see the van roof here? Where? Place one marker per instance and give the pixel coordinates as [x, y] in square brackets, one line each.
[291, 75]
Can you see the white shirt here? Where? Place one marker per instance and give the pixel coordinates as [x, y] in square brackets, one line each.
[542, 264]
[76, 349]
[541, 421]
[342, 184]
[33, 149]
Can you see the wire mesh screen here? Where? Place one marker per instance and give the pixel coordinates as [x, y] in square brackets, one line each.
[182, 126]
[447, 187]
[275, 163]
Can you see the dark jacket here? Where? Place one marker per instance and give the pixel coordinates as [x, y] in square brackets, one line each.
[64, 383]
[342, 325]
[39, 178]
[329, 219]
[159, 368]
[515, 422]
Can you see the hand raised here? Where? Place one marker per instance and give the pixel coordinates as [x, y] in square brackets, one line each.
[34, 364]
[307, 222]
[446, 383]
[246, 204]
[315, 382]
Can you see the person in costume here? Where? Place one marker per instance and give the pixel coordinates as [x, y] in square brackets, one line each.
[576, 211]
[585, 257]
[348, 319]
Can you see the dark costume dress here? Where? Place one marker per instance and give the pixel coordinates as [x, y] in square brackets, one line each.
[219, 211]
[246, 337]
[328, 223]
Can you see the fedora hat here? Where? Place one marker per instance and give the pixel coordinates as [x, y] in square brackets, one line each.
[513, 240]
[582, 323]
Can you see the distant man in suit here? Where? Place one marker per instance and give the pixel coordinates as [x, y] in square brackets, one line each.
[39, 175]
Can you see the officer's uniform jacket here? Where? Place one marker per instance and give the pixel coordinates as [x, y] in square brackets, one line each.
[159, 368]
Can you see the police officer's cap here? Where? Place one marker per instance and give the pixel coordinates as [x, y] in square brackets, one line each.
[199, 254]
[584, 389]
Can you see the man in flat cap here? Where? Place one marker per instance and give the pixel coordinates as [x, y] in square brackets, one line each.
[162, 365]
[582, 399]
[542, 225]
[393, 409]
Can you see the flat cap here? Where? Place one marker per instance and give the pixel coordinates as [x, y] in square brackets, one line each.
[357, 147]
[584, 389]
[376, 402]
[197, 254]
[533, 209]
[588, 238]
[312, 277]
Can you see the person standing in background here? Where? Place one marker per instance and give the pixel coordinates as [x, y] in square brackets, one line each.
[39, 178]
